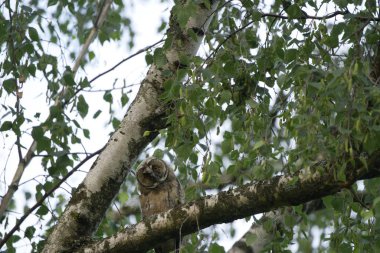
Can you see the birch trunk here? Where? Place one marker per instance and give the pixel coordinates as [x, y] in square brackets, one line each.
[146, 114]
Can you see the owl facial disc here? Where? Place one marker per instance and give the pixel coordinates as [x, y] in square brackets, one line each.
[149, 171]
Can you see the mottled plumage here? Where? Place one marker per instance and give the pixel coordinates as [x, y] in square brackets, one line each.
[160, 191]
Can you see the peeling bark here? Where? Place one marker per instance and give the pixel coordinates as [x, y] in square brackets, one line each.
[227, 206]
[94, 195]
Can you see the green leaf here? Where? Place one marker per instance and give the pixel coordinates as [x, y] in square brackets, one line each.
[216, 248]
[225, 96]
[159, 57]
[84, 83]
[29, 232]
[252, 39]
[367, 214]
[71, 8]
[248, 4]
[43, 210]
[32, 69]
[259, 144]
[10, 85]
[291, 54]
[184, 13]
[64, 161]
[158, 153]
[82, 106]
[371, 142]
[28, 195]
[344, 248]
[86, 133]
[124, 99]
[294, 11]
[227, 146]
[7, 125]
[119, 2]
[341, 3]
[91, 55]
[52, 2]
[68, 78]
[33, 34]
[115, 123]
[327, 201]
[37, 132]
[43, 143]
[123, 197]
[256, 15]
[148, 59]
[96, 114]
[108, 97]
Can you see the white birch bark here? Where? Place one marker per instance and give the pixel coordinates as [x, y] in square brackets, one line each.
[227, 206]
[94, 195]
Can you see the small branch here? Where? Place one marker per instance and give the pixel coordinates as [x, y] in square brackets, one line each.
[68, 153]
[119, 63]
[45, 196]
[126, 59]
[114, 88]
[25, 161]
[304, 17]
[94, 31]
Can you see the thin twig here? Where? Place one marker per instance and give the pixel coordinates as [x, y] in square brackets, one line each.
[263, 15]
[94, 31]
[45, 196]
[126, 59]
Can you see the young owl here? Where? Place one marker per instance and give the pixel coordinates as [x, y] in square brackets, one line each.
[160, 191]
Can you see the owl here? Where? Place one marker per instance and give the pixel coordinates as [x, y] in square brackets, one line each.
[160, 191]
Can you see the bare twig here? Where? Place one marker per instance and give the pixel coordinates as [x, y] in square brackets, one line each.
[94, 31]
[44, 197]
[126, 59]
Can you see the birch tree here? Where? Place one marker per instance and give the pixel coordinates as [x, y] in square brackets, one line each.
[277, 116]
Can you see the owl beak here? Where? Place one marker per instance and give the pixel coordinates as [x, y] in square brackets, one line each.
[148, 170]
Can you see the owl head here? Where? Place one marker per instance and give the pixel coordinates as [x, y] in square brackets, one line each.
[152, 172]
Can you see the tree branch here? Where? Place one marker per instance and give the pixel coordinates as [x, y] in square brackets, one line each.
[126, 59]
[44, 197]
[264, 15]
[146, 114]
[29, 154]
[94, 31]
[227, 206]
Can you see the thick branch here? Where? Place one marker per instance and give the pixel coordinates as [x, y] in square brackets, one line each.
[247, 200]
[146, 115]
